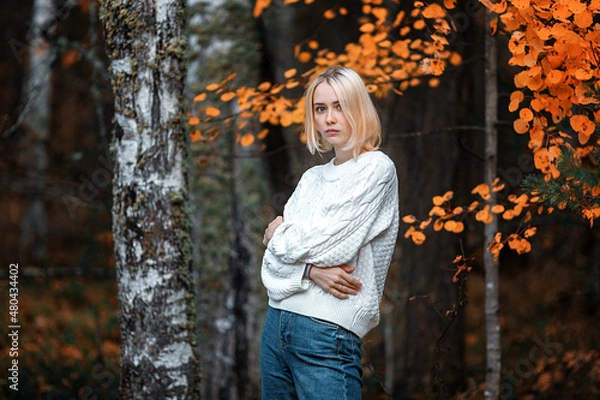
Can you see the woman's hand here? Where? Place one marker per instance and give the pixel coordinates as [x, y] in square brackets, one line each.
[270, 231]
[336, 280]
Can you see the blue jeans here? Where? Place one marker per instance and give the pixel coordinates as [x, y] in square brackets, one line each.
[307, 358]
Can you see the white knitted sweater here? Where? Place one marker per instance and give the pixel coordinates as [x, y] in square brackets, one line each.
[346, 214]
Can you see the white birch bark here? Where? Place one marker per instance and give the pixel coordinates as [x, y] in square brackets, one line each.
[151, 229]
[36, 115]
[492, 309]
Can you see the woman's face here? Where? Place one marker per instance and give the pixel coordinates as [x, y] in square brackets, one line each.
[331, 122]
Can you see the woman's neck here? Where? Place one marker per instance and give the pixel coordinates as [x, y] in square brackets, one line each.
[341, 156]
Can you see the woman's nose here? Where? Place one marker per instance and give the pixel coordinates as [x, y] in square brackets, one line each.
[330, 117]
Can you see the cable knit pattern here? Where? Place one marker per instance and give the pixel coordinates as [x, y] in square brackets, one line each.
[346, 214]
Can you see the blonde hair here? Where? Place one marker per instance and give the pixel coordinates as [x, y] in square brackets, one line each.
[357, 107]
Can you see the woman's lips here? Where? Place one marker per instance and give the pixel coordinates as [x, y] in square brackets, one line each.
[331, 132]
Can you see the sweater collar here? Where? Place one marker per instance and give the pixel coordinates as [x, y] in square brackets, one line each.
[332, 172]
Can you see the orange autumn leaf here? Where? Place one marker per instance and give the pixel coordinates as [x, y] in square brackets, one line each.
[262, 134]
[212, 87]
[438, 200]
[437, 211]
[449, 4]
[418, 238]
[520, 4]
[290, 73]
[398, 19]
[193, 121]
[367, 28]
[482, 190]
[554, 77]
[409, 219]
[493, 26]
[200, 97]
[516, 98]
[264, 86]
[498, 208]
[419, 24]
[455, 59]
[582, 124]
[196, 136]
[212, 112]
[433, 10]
[520, 126]
[434, 82]
[259, 7]
[526, 114]
[484, 215]
[304, 57]
[225, 97]
[520, 245]
[450, 225]
[584, 19]
[329, 14]
[247, 140]
[459, 227]
[70, 57]
[423, 225]
[576, 6]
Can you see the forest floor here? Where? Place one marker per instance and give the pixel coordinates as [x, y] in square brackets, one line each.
[69, 337]
[550, 327]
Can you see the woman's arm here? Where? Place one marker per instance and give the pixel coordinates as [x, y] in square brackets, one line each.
[336, 280]
[273, 225]
[349, 222]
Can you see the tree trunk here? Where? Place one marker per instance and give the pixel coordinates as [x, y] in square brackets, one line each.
[492, 309]
[36, 115]
[229, 187]
[150, 200]
[420, 285]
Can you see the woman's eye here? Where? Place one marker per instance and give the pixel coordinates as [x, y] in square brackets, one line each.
[320, 109]
[339, 107]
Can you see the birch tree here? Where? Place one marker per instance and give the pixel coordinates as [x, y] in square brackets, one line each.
[35, 117]
[150, 199]
[492, 281]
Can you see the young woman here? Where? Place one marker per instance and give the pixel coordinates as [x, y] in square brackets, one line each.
[327, 258]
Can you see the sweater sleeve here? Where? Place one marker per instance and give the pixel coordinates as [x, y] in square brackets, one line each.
[346, 223]
[282, 280]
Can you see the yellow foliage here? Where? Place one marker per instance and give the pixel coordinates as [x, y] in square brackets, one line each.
[557, 45]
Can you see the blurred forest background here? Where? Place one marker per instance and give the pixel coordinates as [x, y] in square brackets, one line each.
[56, 171]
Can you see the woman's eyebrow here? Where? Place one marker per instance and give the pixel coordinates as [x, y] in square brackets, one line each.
[322, 104]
